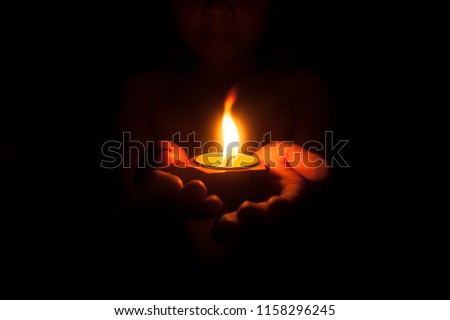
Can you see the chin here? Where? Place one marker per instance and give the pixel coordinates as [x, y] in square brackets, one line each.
[218, 56]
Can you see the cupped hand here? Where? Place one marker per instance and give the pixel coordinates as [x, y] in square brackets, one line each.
[292, 170]
[157, 187]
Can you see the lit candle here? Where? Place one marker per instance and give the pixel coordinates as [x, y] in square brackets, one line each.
[233, 176]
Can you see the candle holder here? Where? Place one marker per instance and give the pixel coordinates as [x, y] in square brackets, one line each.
[244, 177]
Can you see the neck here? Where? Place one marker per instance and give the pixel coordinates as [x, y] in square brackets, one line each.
[228, 72]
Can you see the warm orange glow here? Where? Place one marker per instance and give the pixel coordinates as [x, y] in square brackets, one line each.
[230, 158]
[230, 131]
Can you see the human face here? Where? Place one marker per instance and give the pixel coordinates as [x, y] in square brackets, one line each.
[221, 31]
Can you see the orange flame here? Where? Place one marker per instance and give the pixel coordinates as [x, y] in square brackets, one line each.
[230, 132]
[230, 100]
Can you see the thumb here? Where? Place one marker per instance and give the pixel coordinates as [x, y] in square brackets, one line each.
[168, 153]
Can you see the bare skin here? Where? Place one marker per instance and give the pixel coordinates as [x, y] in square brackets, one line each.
[286, 106]
[291, 106]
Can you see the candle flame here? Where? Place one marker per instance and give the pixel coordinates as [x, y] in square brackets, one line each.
[229, 129]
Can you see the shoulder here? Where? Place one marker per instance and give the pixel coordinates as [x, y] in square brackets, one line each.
[308, 98]
[139, 93]
[304, 80]
[149, 84]
[293, 82]
[309, 89]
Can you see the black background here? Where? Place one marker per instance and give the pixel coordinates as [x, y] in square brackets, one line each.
[380, 231]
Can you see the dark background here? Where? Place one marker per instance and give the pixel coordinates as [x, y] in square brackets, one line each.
[379, 233]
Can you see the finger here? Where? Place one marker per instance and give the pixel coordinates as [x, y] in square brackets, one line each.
[196, 204]
[279, 208]
[162, 160]
[293, 187]
[227, 225]
[252, 214]
[165, 159]
[167, 154]
[193, 192]
[175, 150]
[283, 153]
[213, 205]
[207, 209]
[307, 163]
[269, 155]
[157, 184]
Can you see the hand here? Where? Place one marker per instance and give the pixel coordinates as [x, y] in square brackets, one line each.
[292, 169]
[156, 187]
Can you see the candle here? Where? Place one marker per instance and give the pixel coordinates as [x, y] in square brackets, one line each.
[231, 175]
